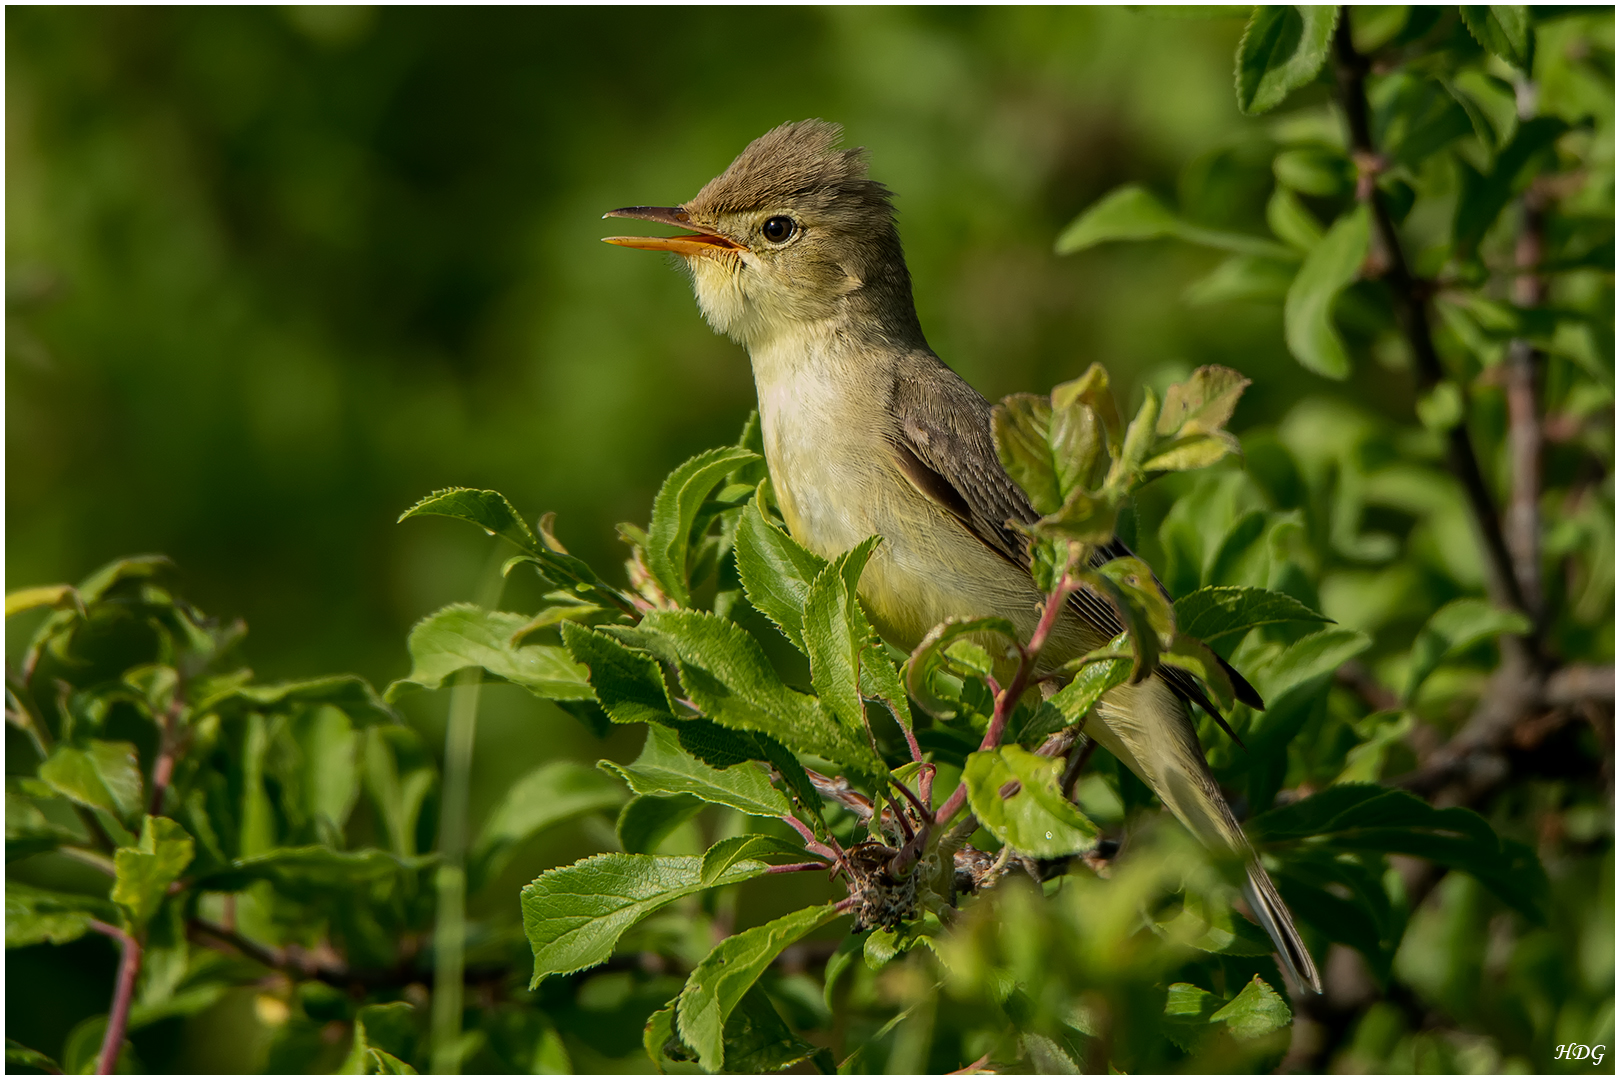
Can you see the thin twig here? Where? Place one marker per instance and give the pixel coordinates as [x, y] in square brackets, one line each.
[129, 967]
[1411, 312]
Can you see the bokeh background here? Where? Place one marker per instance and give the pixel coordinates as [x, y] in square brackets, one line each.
[275, 273]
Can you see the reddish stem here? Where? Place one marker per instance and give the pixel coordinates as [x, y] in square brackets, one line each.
[793, 868]
[129, 968]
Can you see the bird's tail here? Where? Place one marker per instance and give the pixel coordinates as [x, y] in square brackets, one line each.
[1278, 922]
[1147, 729]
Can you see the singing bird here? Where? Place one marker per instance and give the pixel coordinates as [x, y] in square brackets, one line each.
[794, 253]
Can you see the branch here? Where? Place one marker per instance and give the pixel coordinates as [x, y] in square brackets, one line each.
[129, 967]
[1411, 313]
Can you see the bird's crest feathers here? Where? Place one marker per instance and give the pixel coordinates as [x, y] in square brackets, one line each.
[799, 163]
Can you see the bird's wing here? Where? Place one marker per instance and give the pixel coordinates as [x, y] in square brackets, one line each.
[941, 441]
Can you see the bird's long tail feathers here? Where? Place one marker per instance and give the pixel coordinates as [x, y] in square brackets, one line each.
[1147, 728]
[1278, 923]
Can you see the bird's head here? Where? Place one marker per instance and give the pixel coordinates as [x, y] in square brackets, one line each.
[792, 234]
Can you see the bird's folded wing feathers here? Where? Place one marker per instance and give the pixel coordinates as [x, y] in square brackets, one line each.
[941, 441]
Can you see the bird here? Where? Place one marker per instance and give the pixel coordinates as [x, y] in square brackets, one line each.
[794, 253]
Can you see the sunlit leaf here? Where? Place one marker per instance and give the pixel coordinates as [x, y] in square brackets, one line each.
[675, 510]
[665, 769]
[145, 872]
[465, 635]
[718, 984]
[1015, 795]
[1283, 48]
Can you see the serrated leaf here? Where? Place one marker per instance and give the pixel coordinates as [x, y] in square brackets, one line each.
[35, 916]
[727, 676]
[1202, 404]
[574, 915]
[1092, 680]
[1453, 630]
[1503, 30]
[1218, 611]
[1329, 268]
[1366, 817]
[758, 1040]
[720, 981]
[628, 683]
[102, 775]
[1282, 49]
[145, 872]
[675, 510]
[556, 792]
[776, 571]
[1035, 819]
[836, 635]
[735, 849]
[664, 768]
[489, 510]
[1257, 1010]
[1131, 212]
[465, 635]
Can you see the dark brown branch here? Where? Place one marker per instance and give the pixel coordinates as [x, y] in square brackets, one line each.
[1524, 436]
[1412, 314]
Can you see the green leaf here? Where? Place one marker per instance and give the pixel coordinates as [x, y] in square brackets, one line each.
[1034, 818]
[1049, 452]
[1310, 656]
[628, 683]
[1132, 213]
[1219, 611]
[1257, 1010]
[1145, 609]
[1093, 679]
[665, 769]
[556, 792]
[351, 693]
[1282, 49]
[1243, 277]
[21, 600]
[145, 872]
[465, 635]
[836, 636]
[34, 915]
[384, 1036]
[1210, 925]
[1293, 224]
[1187, 1011]
[1330, 266]
[675, 509]
[1455, 629]
[718, 984]
[727, 676]
[1314, 170]
[776, 571]
[1202, 404]
[931, 656]
[489, 510]
[1365, 817]
[21, 1057]
[103, 776]
[647, 820]
[758, 1040]
[735, 849]
[574, 915]
[1503, 29]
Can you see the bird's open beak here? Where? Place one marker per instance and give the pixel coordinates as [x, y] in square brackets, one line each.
[698, 242]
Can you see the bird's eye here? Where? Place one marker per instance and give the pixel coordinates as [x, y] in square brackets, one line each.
[778, 229]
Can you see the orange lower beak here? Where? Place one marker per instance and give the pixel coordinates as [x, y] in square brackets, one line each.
[699, 242]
